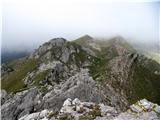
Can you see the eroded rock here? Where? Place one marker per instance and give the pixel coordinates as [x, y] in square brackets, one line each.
[20, 104]
[93, 111]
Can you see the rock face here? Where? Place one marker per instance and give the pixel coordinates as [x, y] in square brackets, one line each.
[81, 79]
[3, 96]
[22, 103]
[6, 69]
[77, 110]
[80, 85]
[48, 46]
[142, 110]
[55, 49]
[38, 115]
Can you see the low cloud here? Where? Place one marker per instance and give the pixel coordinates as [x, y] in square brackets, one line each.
[27, 24]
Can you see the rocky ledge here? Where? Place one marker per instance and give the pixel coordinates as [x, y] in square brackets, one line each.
[77, 110]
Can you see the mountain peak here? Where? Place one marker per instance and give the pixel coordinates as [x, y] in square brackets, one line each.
[120, 41]
[84, 40]
[57, 40]
[87, 37]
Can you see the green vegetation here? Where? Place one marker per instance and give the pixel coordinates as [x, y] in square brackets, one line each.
[97, 68]
[113, 41]
[52, 114]
[39, 77]
[86, 118]
[82, 110]
[37, 81]
[13, 82]
[146, 84]
[79, 57]
[142, 84]
[96, 111]
[65, 116]
[97, 65]
[83, 41]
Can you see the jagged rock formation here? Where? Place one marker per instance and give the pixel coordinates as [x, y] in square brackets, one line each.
[77, 110]
[20, 104]
[80, 85]
[5, 69]
[104, 72]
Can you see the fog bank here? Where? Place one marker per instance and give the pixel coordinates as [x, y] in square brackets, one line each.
[28, 23]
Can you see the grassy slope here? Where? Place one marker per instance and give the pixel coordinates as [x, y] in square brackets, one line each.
[146, 84]
[13, 82]
[39, 77]
[83, 41]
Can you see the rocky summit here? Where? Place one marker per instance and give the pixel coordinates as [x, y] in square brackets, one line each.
[83, 79]
[77, 110]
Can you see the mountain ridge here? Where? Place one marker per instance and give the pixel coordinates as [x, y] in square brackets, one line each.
[61, 69]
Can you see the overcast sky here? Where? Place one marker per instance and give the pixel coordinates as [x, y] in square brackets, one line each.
[28, 23]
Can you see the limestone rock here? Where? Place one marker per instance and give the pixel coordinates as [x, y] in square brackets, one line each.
[38, 115]
[79, 86]
[76, 101]
[22, 103]
[67, 102]
[93, 111]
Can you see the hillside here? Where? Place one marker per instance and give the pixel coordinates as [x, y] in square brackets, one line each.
[111, 72]
[8, 56]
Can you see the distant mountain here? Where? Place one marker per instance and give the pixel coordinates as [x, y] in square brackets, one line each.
[111, 72]
[8, 56]
[150, 50]
[83, 40]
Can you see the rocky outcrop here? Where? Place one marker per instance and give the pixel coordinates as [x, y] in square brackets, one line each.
[57, 49]
[104, 77]
[77, 110]
[83, 87]
[120, 73]
[57, 74]
[20, 104]
[80, 85]
[43, 115]
[6, 69]
[48, 46]
[54, 71]
[3, 96]
[141, 110]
